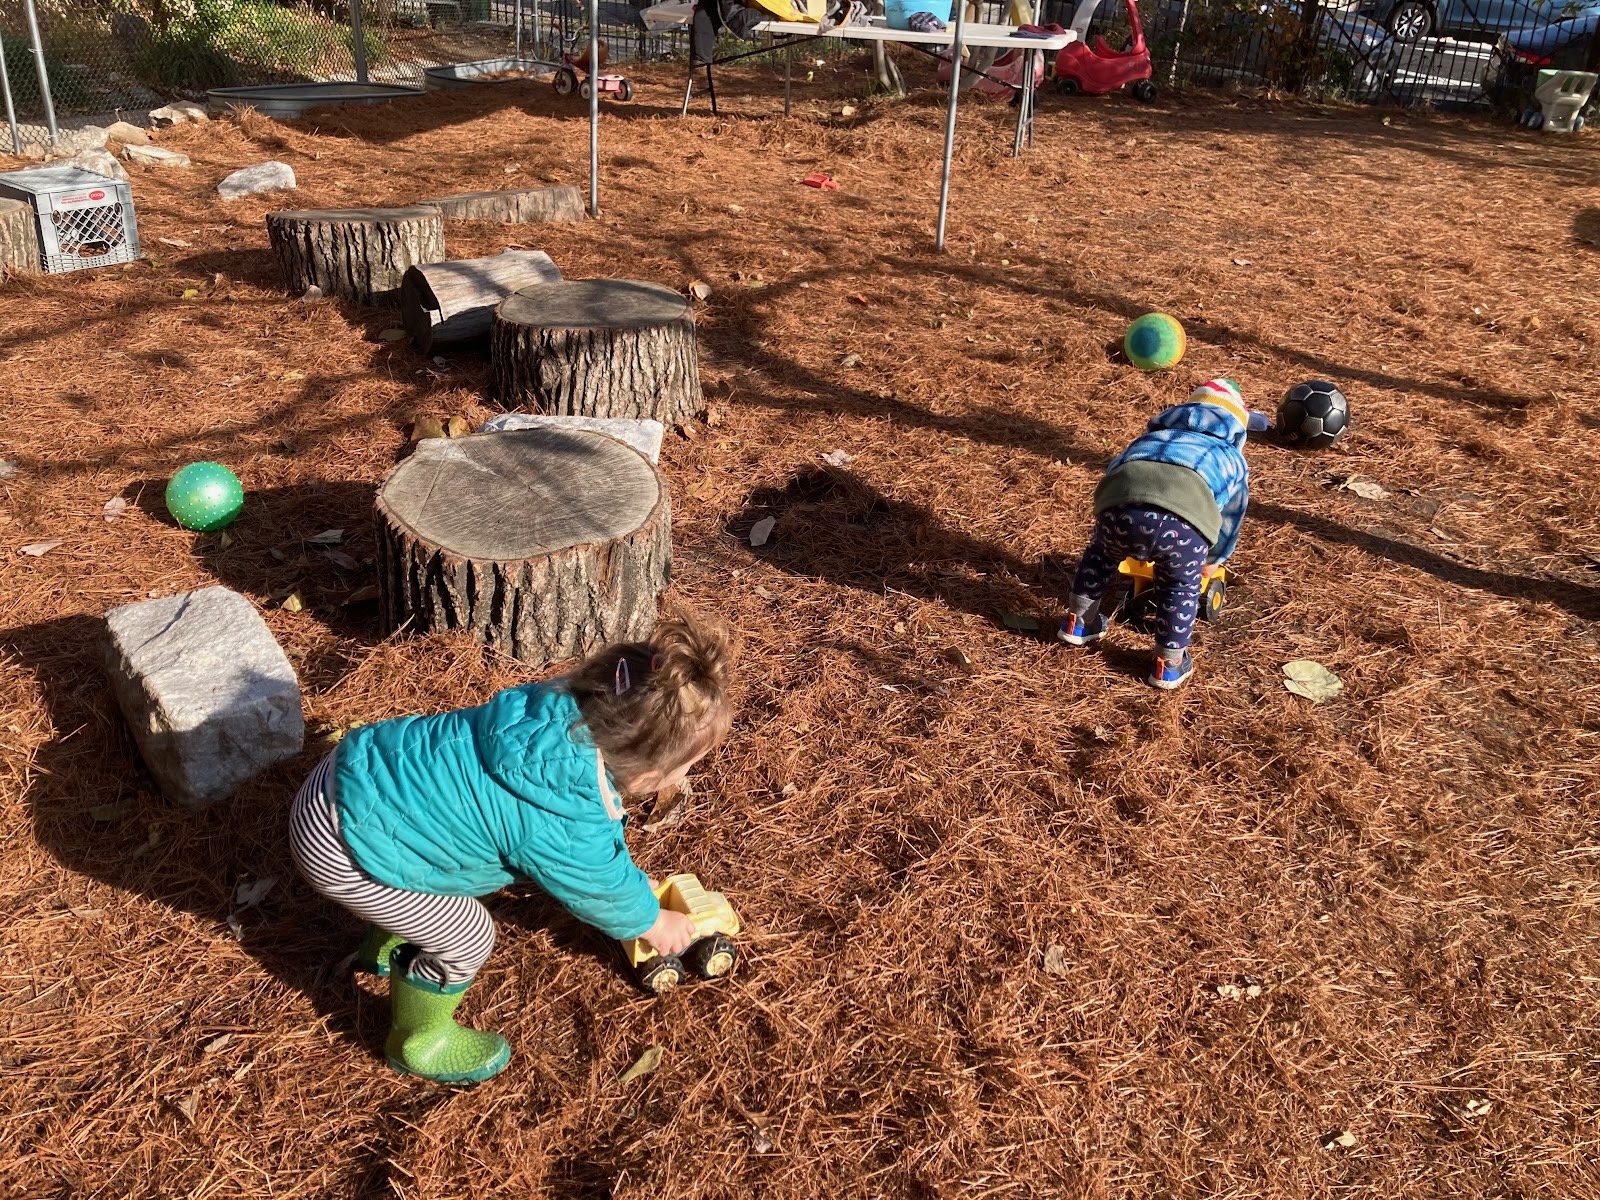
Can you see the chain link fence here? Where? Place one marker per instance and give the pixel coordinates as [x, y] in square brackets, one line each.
[109, 57]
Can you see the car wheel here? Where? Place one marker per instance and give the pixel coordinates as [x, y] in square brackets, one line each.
[1410, 21]
[712, 957]
[660, 975]
[1144, 91]
[1068, 86]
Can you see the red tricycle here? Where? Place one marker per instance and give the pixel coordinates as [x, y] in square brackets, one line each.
[1099, 70]
[568, 78]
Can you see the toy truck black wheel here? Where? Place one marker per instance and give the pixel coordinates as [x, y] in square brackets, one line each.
[1144, 91]
[712, 957]
[1067, 85]
[660, 975]
[1212, 598]
[1139, 609]
[566, 81]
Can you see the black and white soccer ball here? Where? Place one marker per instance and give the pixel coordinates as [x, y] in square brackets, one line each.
[1314, 414]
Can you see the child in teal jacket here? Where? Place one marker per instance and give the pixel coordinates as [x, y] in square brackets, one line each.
[408, 821]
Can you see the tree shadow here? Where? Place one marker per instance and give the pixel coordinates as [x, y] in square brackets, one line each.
[1586, 227]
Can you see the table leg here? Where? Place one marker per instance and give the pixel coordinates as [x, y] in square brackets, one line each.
[788, 69]
[688, 89]
[1022, 104]
[1033, 94]
[950, 123]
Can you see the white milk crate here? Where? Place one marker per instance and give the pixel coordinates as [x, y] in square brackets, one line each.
[84, 220]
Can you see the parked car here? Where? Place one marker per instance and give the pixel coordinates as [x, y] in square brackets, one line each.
[1561, 44]
[1410, 20]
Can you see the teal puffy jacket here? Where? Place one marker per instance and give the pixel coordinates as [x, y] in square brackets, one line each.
[466, 802]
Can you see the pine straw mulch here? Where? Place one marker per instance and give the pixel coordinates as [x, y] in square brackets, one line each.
[1408, 874]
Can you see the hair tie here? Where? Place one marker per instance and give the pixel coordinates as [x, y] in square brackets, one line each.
[624, 678]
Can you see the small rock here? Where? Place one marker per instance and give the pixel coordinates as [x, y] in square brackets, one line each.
[253, 180]
[155, 156]
[128, 134]
[90, 137]
[177, 113]
[98, 162]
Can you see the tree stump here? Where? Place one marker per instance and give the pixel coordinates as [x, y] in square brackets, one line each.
[544, 543]
[448, 302]
[19, 240]
[597, 348]
[358, 253]
[524, 206]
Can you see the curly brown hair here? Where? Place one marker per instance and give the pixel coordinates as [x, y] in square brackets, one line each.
[653, 706]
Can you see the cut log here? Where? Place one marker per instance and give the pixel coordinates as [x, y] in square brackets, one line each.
[543, 543]
[524, 206]
[449, 302]
[358, 253]
[19, 240]
[597, 348]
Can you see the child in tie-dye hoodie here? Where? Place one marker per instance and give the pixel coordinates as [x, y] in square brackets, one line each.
[1174, 499]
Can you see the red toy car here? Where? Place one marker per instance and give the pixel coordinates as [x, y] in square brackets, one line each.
[577, 77]
[1099, 70]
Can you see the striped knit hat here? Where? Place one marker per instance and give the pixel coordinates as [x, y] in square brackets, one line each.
[1224, 393]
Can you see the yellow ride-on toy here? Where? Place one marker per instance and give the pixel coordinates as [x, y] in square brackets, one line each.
[1138, 608]
[712, 954]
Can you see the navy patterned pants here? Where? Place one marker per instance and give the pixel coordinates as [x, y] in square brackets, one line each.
[1173, 546]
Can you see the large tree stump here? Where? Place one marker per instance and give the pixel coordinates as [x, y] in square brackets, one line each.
[524, 206]
[544, 543]
[597, 348]
[357, 253]
[19, 240]
[448, 302]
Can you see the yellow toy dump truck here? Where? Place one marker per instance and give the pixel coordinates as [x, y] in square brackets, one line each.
[1138, 609]
[712, 954]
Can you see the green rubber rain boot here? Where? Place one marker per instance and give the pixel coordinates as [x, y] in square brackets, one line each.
[424, 1039]
[373, 954]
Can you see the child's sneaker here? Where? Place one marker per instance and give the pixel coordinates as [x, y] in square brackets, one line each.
[1168, 675]
[1078, 631]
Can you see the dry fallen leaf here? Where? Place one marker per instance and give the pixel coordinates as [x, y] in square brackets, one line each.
[35, 549]
[837, 458]
[1338, 1139]
[342, 560]
[1241, 262]
[216, 1044]
[1055, 961]
[191, 294]
[114, 508]
[762, 530]
[670, 809]
[187, 1106]
[293, 603]
[957, 657]
[178, 242]
[426, 427]
[392, 335]
[248, 895]
[111, 812]
[1021, 622]
[1367, 489]
[850, 360]
[457, 427]
[328, 537]
[362, 595]
[648, 1061]
[700, 290]
[1311, 680]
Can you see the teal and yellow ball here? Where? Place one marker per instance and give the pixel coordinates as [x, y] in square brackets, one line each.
[204, 496]
[1155, 342]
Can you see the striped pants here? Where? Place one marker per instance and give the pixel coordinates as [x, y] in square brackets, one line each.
[454, 935]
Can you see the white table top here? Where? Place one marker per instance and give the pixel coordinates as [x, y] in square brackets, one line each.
[973, 33]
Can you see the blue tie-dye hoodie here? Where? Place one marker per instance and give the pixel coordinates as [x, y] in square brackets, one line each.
[1207, 436]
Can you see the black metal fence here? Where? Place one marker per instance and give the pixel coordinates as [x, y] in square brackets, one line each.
[1436, 52]
[105, 56]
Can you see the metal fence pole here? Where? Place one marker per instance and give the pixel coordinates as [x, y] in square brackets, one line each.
[594, 108]
[43, 73]
[11, 112]
[518, 10]
[358, 40]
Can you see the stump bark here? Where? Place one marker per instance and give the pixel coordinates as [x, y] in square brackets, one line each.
[358, 253]
[543, 543]
[523, 206]
[450, 302]
[597, 348]
[19, 240]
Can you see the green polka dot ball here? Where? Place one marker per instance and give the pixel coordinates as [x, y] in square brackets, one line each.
[204, 496]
